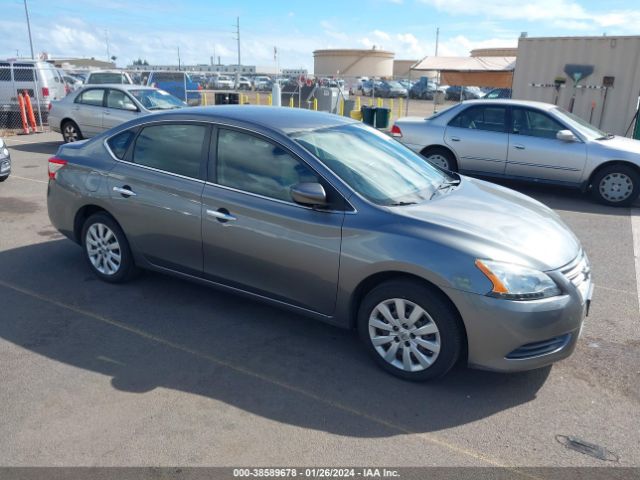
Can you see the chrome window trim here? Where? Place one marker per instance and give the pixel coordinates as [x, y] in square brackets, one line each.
[260, 134]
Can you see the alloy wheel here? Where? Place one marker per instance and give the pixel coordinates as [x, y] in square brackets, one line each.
[70, 133]
[404, 334]
[616, 187]
[103, 249]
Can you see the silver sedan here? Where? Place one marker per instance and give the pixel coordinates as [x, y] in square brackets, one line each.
[530, 141]
[97, 108]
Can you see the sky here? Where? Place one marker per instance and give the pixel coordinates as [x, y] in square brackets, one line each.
[155, 29]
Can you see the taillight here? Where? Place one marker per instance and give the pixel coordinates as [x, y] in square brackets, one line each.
[50, 106]
[55, 164]
[45, 92]
[395, 131]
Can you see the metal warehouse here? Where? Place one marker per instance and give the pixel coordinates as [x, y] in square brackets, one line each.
[597, 78]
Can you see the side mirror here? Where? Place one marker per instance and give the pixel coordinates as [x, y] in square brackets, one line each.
[311, 194]
[566, 136]
[130, 107]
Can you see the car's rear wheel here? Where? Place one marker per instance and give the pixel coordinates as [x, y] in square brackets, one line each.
[106, 249]
[616, 185]
[441, 157]
[71, 131]
[410, 330]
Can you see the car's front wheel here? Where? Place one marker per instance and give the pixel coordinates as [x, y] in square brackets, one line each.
[106, 249]
[410, 330]
[616, 185]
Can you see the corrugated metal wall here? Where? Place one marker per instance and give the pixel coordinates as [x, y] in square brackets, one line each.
[541, 60]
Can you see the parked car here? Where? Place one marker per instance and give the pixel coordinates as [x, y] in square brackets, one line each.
[224, 82]
[391, 89]
[262, 83]
[5, 161]
[72, 82]
[41, 80]
[467, 93]
[330, 218]
[102, 77]
[423, 89]
[96, 108]
[178, 84]
[497, 93]
[530, 141]
[368, 87]
[243, 83]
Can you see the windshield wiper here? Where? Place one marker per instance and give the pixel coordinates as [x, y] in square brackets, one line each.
[606, 136]
[445, 185]
[402, 204]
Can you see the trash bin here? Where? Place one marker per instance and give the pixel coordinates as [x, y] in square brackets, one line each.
[382, 117]
[368, 115]
[230, 98]
[348, 106]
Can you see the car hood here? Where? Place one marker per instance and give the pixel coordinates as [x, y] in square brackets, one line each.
[497, 223]
[621, 144]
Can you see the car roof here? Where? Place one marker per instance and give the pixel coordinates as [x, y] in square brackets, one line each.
[284, 120]
[506, 101]
[121, 86]
[106, 71]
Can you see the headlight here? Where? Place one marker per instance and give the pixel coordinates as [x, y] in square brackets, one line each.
[514, 282]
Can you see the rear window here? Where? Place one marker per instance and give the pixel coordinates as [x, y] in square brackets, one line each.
[106, 77]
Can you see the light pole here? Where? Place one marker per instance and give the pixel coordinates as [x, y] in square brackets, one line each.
[26, 11]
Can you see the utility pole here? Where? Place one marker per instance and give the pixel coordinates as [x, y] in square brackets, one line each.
[106, 38]
[238, 39]
[26, 11]
[437, 39]
[179, 66]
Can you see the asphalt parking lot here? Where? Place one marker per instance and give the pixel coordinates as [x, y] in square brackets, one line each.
[164, 372]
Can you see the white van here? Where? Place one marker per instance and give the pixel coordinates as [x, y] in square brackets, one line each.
[40, 79]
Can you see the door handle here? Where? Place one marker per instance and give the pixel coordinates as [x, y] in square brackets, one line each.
[455, 139]
[222, 215]
[519, 147]
[125, 191]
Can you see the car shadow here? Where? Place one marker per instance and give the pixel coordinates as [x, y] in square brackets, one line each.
[47, 148]
[158, 331]
[561, 198]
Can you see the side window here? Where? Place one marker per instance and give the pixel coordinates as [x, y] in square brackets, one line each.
[5, 72]
[248, 163]
[23, 72]
[119, 144]
[120, 100]
[173, 148]
[488, 118]
[93, 97]
[535, 124]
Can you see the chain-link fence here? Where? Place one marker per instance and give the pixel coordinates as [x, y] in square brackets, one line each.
[27, 89]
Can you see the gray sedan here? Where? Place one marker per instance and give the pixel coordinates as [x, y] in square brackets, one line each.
[527, 140]
[327, 217]
[96, 108]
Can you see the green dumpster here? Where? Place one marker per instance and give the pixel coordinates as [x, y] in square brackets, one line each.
[368, 114]
[382, 117]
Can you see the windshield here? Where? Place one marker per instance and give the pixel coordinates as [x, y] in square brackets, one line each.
[157, 99]
[582, 126]
[395, 84]
[376, 166]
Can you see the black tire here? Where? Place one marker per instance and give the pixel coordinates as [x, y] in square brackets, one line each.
[622, 175]
[70, 131]
[127, 268]
[441, 313]
[2, 179]
[446, 154]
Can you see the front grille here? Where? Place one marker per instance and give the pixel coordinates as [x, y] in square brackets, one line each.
[535, 349]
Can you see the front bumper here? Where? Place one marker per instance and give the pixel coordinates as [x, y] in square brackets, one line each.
[509, 336]
[5, 166]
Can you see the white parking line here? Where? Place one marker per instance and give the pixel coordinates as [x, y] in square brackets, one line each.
[635, 230]
[25, 178]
